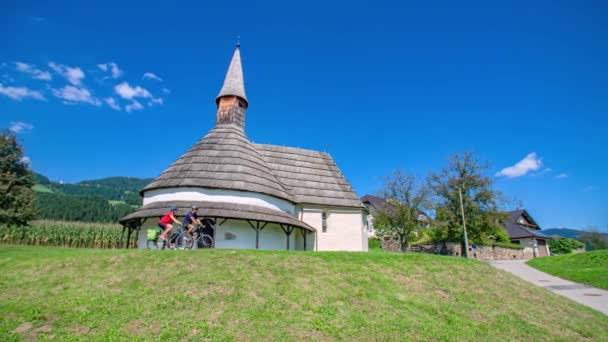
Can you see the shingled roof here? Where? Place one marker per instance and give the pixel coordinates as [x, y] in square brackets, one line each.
[519, 231]
[219, 210]
[312, 177]
[223, 159]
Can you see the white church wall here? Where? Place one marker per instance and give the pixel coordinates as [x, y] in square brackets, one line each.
[218, 195]
[345, 228]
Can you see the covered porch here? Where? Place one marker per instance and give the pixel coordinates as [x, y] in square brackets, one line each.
[234, 225]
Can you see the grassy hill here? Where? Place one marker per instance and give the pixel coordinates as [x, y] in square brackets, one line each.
[272, 295]
[588, 268]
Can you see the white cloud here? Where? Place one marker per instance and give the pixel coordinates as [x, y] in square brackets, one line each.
[156, 101]
[151, 76]
[19, 126]
[73, 94]
[74, 75]
[19, 93]
[562, 176]
[112, 103]
[127, 92]
[112, 67]
[32, 70]
[26, 160]
[135, 105]
[529, 163]
[166, 91]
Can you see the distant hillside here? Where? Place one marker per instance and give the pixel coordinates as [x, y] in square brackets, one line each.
[567, 232]
[100, 200]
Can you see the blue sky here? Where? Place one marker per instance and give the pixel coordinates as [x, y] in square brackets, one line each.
[124, 88]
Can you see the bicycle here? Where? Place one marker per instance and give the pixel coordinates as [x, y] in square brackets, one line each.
[202, 240]
[179, 239]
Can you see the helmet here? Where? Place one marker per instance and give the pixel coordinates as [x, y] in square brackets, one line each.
[172, 208]
[194, 207]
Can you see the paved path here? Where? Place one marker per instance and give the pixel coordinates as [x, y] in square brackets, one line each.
[590, 296]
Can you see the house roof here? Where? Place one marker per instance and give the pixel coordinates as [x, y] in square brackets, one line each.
[378, 203]
[518, 231]
[220, 210]
[312, 177]
[234, 83]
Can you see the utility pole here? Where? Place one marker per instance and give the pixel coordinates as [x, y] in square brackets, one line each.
[464, 226]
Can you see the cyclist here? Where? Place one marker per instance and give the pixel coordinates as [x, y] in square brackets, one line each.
[191, 217]
[165, 222]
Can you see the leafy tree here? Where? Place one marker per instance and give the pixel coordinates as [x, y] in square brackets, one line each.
[479, 200]
[406, 199]
[564, 245]
[16, 181]
[594, 239]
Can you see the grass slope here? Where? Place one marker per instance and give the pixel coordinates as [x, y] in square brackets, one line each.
[67, 294]
[588, 268]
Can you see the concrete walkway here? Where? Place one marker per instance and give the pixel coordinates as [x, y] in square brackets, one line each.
[590, 296]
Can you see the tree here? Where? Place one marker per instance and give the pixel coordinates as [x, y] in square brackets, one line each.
[479, 200]
[594, 239]
[16, 181]
[406, 199]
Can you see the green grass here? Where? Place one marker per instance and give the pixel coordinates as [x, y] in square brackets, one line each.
[588, 268]
[113, 202]
[41, 188]
[71, 294]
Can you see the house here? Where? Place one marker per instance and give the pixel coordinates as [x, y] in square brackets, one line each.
[256, 195]
[375, 203]
[523, 230]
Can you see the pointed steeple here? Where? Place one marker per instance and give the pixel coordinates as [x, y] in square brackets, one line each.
[231, 102]
[234, 84]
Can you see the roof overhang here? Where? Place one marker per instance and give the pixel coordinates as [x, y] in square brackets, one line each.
[218, 210]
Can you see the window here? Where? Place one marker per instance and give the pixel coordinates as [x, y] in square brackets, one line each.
[324, 221]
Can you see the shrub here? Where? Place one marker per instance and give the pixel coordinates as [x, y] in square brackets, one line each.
[564, 245]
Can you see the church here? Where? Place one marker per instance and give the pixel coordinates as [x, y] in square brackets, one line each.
[258, 196]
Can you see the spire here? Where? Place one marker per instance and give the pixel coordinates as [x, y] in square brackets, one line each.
[234, 84]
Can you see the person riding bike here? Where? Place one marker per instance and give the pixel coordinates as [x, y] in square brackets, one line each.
[165, 222]
[191, 217]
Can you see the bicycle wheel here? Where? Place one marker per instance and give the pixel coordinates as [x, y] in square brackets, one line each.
[204, 241]
[184, 241]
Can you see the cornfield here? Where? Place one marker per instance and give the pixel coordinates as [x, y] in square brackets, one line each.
[65, 234]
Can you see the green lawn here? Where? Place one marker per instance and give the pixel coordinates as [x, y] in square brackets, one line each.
[70, 294]
[588, 268]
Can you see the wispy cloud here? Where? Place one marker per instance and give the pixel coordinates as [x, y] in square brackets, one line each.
[19, 126]
[151, 76]
[32, 70]
[588, 188]
[74, 75]
[112, 67]
[110, 101]
[166, 91]
[562, 176]
[20, 93]
[71, 95]
[529, 163]
[135, 105]
[127, 92]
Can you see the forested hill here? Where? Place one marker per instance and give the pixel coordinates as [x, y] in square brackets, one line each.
[101, 200]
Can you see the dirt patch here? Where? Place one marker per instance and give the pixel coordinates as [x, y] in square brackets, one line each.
[23, 328]
[137, 327]
[80, 330]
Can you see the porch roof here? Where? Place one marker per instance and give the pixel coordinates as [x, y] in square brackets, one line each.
[219, 210]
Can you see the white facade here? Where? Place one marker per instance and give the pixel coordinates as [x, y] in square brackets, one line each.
[345, 228]
[218, 195]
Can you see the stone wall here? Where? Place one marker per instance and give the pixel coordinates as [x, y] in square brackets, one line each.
[486, 253]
